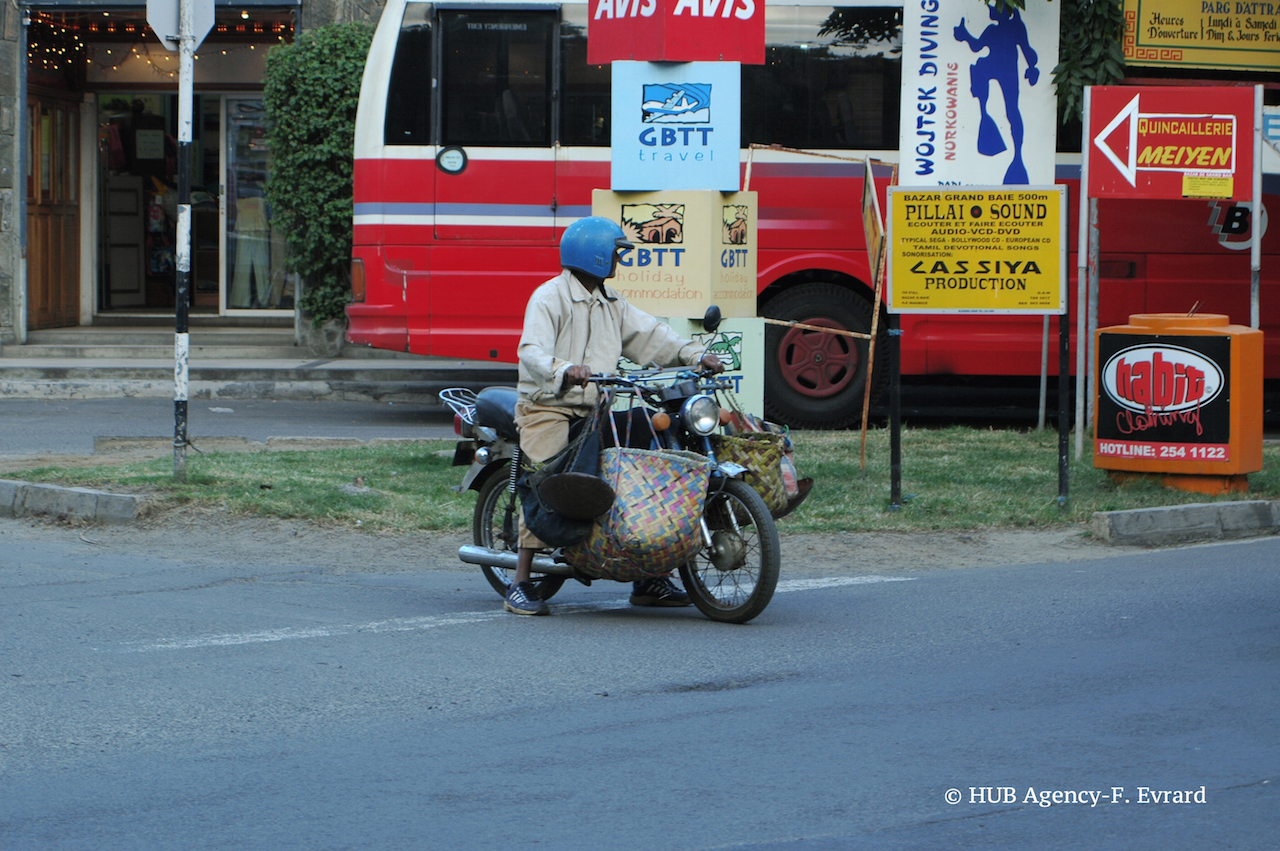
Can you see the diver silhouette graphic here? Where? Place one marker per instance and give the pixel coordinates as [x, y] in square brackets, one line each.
[1002, 40]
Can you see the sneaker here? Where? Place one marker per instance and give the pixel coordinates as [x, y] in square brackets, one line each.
[658, 591]
[522, 599]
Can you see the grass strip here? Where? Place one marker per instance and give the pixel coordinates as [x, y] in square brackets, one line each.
[953, 478]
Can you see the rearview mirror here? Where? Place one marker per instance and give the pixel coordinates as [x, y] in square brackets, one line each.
[711, 319]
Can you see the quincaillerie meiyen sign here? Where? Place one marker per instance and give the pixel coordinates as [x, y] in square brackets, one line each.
[1164, 397]
[1171, 142]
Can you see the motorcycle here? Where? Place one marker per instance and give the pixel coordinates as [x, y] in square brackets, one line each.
[733, 576]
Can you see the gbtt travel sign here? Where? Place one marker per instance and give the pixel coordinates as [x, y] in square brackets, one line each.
[977, 250]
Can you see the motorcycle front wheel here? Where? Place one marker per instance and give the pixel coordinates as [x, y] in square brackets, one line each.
[496, 525]
[733, 580]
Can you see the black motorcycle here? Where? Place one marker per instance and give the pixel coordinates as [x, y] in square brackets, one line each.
[734, 574]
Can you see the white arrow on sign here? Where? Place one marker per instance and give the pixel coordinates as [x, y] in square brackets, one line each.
[1129, 169]
[163, 16]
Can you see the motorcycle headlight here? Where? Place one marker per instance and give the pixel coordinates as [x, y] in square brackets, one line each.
[701, 414]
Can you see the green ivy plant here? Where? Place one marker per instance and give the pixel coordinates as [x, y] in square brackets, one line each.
[1089, 48]
[311, 90]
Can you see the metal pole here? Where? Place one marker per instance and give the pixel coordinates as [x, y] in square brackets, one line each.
[1082, 276]
[182, 341]
[1087, 343]
[895, 413]
[1064, 406]
[1255, 247]
[1044, 372]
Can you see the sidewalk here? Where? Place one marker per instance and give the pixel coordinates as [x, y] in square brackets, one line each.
[104, 407]
[415, 380]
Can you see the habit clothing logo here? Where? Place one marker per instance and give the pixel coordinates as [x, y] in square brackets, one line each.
[1171, 394]
[1167, 379]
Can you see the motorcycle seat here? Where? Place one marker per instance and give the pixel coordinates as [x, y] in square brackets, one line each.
[496, 408]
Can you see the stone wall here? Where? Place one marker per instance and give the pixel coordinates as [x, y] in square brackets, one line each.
[10, 225]
[316, 13]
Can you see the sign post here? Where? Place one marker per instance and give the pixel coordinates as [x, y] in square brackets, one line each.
[1164, 143]
[994, 250]
[191, 20]
[873, 231]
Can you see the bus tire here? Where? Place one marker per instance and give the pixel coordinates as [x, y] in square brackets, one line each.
[814, 379]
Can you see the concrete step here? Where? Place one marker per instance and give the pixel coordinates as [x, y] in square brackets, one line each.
[152, 342]
[411, 379]
[154, 336]
[161, 350]
[253, 359]
[195, 319]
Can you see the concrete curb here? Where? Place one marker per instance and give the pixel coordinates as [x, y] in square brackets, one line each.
[1184, 524]
[21, 499]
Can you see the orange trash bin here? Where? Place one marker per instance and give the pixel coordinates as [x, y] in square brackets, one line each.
[1180, 396]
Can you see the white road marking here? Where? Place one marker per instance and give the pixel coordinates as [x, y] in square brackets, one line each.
[435, 621]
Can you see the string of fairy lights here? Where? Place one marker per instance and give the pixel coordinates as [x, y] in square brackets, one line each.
[55, 45]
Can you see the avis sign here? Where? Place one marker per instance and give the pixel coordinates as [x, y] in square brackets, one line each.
[1164, 398]
[1173, 142]
[676, 31]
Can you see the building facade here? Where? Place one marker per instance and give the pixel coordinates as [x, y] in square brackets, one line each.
[88, 162]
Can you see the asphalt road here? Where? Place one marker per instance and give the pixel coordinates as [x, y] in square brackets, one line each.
[210, 700]
[68, 427]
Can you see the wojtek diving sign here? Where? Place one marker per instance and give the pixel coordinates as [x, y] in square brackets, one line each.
[1164, 398]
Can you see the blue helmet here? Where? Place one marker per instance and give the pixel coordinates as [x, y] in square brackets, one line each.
[588, 245]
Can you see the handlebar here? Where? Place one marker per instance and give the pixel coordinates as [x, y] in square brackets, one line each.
[650, 375]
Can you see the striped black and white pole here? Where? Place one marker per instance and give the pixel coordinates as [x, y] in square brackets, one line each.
[182, 296]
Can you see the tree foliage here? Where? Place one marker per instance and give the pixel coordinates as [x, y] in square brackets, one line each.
[311, 90]
[1089, 48]
[862, 25]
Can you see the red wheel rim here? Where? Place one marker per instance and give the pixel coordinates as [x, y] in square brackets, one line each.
[817, 364]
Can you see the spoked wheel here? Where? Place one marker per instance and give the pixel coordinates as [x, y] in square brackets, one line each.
[734, 579]
[496, 525]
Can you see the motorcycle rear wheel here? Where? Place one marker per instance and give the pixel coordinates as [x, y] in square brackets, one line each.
[496, 525]
[734, 579]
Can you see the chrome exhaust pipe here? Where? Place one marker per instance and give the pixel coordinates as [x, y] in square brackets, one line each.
[486, 557]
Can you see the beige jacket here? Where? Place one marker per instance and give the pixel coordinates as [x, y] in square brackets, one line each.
[564, 325]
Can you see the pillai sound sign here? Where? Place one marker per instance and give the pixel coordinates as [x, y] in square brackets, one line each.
[977, 250]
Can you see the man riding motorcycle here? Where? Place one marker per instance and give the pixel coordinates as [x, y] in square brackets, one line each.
[575, 327]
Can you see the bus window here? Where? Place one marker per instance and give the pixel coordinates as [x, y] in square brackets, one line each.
[495, 77]
[831, 79]
[584, 103]
[409, 94]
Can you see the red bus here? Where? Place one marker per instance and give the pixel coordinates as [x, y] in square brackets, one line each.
[482, 131]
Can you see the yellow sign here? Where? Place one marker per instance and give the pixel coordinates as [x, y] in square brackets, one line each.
[1206, 186]
[1202, 34]
[693, 248]
[978, 250]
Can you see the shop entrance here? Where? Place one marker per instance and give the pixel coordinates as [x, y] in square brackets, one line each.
[53, 213]
[102, 166]
[237, 256]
